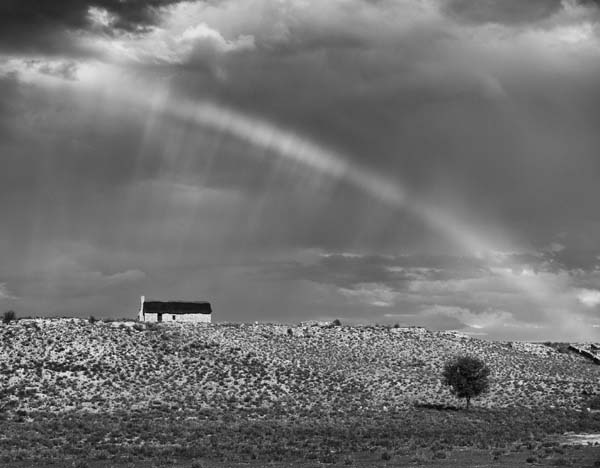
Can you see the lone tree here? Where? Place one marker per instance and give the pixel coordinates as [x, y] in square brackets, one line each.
[467, 377]
[9, 316]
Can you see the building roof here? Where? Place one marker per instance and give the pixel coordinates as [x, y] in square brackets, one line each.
[176, 307]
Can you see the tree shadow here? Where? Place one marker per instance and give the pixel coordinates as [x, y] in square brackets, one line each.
[437, 406]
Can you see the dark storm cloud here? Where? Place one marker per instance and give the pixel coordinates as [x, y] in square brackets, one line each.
[44, 25]
[575, 259]
[508, 12]
[379, 93]
[494, 127]
[397, 272]
[502, 11]
[348, 271]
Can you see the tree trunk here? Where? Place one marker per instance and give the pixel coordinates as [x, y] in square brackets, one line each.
[468, 402]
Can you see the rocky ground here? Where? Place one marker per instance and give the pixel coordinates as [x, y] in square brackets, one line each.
[300, 389]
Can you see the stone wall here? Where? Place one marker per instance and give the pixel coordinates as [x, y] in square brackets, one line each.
[187, 318]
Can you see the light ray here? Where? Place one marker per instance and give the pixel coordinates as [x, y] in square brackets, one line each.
[297, 149]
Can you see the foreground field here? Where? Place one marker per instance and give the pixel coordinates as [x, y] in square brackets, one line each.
[582, 457]
[124, 395]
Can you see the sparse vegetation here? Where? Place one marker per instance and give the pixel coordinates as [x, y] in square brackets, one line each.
[467, 376]
[254, 393]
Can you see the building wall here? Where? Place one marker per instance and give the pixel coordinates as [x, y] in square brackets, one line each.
[187, 318]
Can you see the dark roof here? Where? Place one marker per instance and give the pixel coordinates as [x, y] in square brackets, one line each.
[176, 307]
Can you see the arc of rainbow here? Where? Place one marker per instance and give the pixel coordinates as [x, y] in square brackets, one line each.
[296, 148]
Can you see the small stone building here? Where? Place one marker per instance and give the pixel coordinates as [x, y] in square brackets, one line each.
[174, 311]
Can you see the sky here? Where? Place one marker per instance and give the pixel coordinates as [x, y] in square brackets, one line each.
[431, 163]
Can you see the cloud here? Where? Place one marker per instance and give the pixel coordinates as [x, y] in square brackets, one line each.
[482, 320]
[470, 109]
[101, 17]
[62, 273]
[37, 25]
[348, 270]
[5, 293]
[509, 12]
[194, 35]
[455, 292]
[371, 294]
[540, 14]
[25, 68]
[171, 44]
[444, 317]
[589, 297]
[573, 258]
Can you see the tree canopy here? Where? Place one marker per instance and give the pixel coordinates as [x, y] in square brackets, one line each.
[467, 376]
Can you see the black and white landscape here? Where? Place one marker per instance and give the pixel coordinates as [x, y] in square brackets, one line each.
[417, 179]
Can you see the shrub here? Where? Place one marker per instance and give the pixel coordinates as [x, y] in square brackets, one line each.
[336, 323]
[92, 319]
[386, 455]
[559, 347]
[467, 377]
[563, 462]
[9, 316]
[420, 457]
[594, 402]
[80, 464]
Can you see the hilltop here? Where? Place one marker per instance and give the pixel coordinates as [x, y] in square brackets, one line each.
[173, 388]
[63, 365]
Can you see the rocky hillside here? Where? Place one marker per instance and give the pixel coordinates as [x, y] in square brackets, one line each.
[71, 365]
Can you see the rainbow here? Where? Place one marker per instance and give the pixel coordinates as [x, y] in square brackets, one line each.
[296, 149]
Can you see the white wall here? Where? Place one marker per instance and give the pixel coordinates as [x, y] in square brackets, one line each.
[188, 318]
